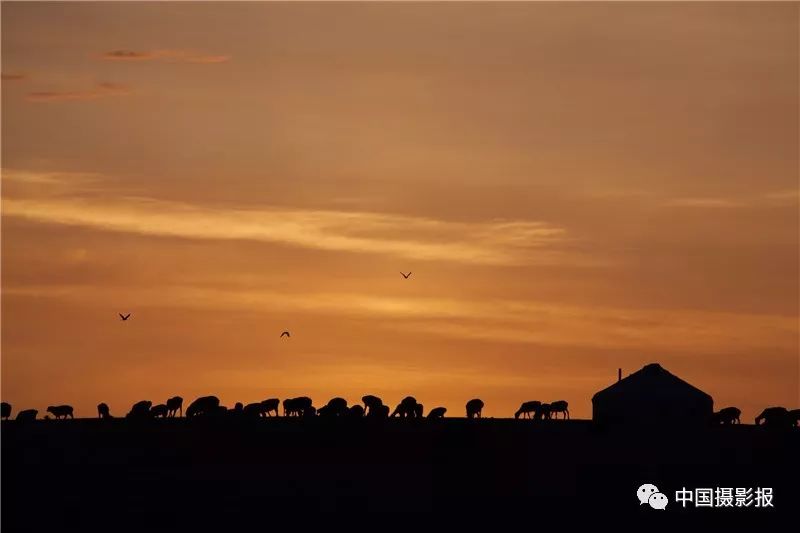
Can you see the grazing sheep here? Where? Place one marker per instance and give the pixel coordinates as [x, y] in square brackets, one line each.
[303, 403]
[774, 417]
[437, 412]
[728, 415]
[335, 407]
[543, 412]
[270, 405]
[203, 406]
[338, 404]
[309, 412]
[527, 408]
[174, 405]
[371, 403]
[140, 410]
[418, 410]
[559, 406]
[406, 408]
[27, 415]
[296, 406]
[60, 411]
[253, 410]
[356, 411]
[474, 408]
[159, 410]
[103, 411]
[5, 410]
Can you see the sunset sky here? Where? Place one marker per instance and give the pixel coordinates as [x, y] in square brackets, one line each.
[574, 187]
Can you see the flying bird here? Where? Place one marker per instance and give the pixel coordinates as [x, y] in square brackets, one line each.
[285, 334]
[405, 276]
[124, 317]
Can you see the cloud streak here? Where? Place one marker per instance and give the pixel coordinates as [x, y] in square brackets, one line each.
[168, 56]
[100, 90]
[75, 199]
[770, 199]
[489, 243]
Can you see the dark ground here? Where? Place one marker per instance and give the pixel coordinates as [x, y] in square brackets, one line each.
[93, 475]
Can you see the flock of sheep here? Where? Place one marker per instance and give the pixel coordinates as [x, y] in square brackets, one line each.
[373, 407]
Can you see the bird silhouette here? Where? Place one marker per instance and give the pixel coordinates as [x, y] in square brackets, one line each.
[405, 276]
[124, 317]
[285, 334]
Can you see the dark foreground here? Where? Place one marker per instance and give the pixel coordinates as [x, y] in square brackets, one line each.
[98, 475]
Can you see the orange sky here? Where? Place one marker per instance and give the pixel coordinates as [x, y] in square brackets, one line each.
[575, 187]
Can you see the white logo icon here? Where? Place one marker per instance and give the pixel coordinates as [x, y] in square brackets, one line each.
[648, 493]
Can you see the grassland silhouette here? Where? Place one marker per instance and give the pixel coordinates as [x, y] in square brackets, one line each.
[217, 465]
[651, 396]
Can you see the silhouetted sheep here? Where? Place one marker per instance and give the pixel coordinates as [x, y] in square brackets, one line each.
[406, 408]
[203, 406]
[270, 405]
[174, 405]
[253, 410]
[140, 410]
[27, 415]
[309, 412]
[159, 410]
[474, 408]
[543, 412]
[418, 410]
[728, 415]
[774, 417]
[5, 410]
[356, 411]
[371, 403]
[335, 407]
[238, 408]
[103, 411]
[60, 411]
[437, 412]
[296, 406]
[560, 406]
[527, 408]
[338, 404]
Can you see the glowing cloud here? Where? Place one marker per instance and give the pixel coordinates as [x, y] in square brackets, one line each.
[492, 242]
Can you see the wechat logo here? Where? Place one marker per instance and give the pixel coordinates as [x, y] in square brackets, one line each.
[649, 494]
